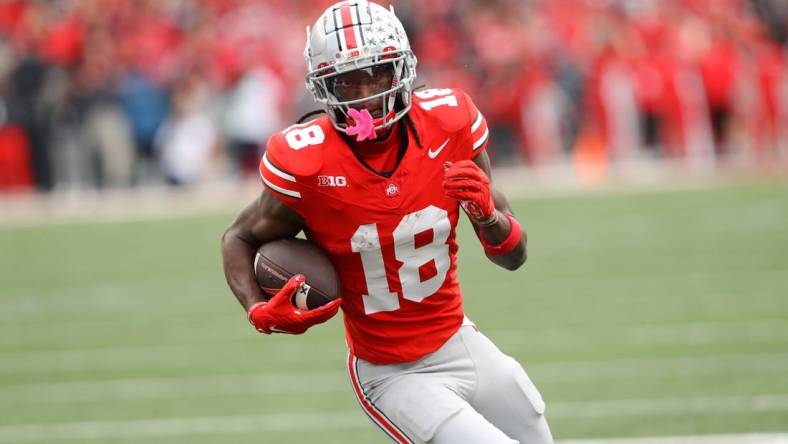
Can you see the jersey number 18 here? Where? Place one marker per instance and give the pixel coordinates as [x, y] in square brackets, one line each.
[366, 241]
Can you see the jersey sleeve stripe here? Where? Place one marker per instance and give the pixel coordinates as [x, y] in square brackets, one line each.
[478, 143]
[477, 122]
[281, 190]
[276, 170]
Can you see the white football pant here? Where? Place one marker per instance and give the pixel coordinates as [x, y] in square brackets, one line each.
[467, 392]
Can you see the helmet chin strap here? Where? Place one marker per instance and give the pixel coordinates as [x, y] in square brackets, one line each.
[385, 121]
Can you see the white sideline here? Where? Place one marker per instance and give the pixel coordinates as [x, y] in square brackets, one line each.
[96, 430]
[755, 438]
[280, 422]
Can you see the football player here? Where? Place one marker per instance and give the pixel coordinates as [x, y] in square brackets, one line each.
[378, 183]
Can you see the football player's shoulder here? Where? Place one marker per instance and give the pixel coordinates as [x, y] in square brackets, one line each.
[298, 149]
[452, 111]
[449, 108]
[294, 155]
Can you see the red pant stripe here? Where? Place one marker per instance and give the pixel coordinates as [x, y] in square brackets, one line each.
[378, 417]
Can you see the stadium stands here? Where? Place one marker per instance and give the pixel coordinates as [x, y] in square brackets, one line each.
[114, 93]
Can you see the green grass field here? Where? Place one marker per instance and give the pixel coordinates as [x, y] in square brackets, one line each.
[637, 314]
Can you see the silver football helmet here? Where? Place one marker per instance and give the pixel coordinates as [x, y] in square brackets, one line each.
[358, 35]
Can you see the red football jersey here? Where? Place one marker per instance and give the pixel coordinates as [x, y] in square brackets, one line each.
[391, 239]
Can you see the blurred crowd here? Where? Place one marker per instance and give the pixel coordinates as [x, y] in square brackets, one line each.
[118, 93]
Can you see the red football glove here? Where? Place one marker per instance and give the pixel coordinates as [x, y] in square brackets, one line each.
[466, 182]
[279, 315]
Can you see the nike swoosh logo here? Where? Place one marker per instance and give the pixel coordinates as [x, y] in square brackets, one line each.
[277, 330]
[434, 154]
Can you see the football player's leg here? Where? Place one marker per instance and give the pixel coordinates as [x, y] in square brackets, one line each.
[422, 410]
[408, 408]
[469, 427]
[505, 394]
[411, 405]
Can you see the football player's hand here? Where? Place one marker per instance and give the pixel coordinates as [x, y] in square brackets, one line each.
[279, 315]
[466, 182]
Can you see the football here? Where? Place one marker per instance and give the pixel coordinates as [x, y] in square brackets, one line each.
[276, 262]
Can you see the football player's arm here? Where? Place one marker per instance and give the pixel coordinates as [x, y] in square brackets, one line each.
[499, 232]
[264, 220]
[468, 181]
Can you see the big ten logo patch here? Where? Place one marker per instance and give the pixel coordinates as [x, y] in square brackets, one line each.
[331, 181]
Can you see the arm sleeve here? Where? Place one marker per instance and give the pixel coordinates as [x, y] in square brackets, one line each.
[477, 127]
[278, 179]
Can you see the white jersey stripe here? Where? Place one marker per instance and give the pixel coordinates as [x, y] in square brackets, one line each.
[477, 122]
[279, 189]
[276, 170]
[481, 140]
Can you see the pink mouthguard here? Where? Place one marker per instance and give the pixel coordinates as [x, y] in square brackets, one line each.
[364, 127]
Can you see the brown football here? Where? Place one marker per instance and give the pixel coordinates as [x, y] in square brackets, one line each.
[276, 262]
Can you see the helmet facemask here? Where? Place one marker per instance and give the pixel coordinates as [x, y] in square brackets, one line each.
[326, 86]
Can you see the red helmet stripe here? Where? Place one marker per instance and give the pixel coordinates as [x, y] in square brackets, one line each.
[348, 27]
